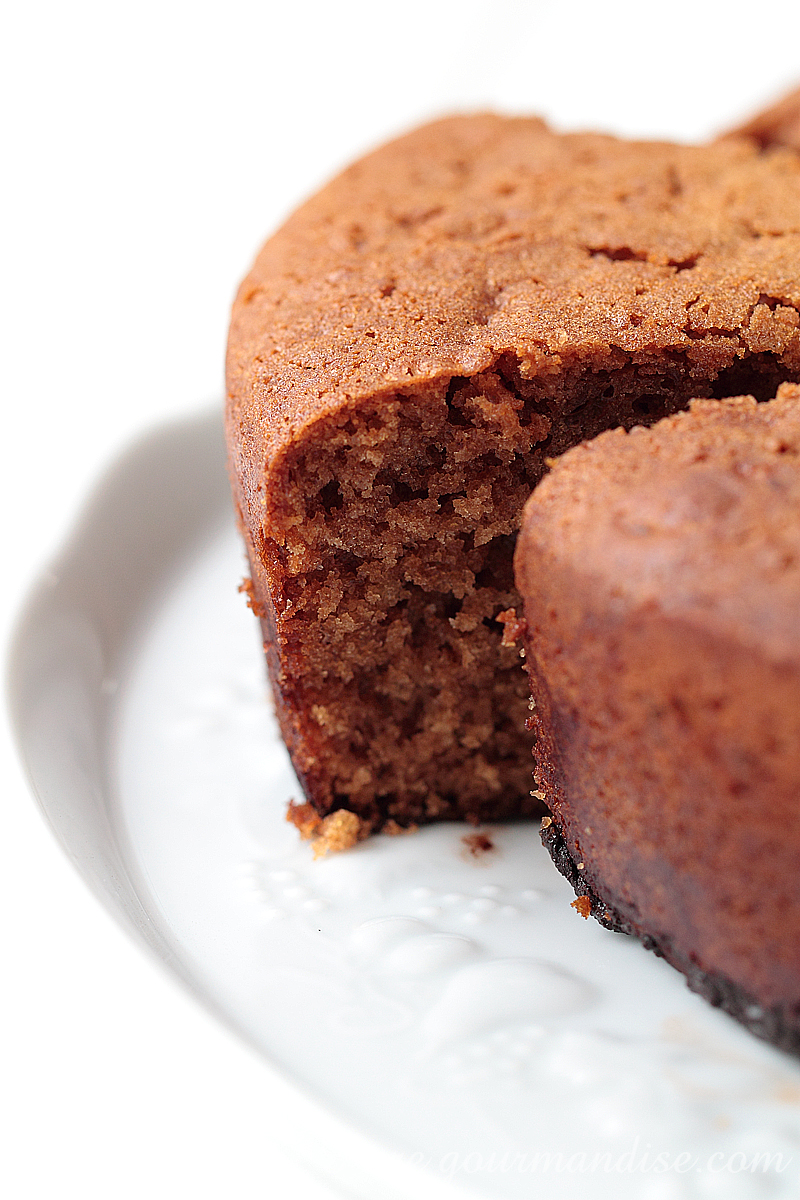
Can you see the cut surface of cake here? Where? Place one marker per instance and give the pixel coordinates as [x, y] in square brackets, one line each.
[406, 354]
[660, 571]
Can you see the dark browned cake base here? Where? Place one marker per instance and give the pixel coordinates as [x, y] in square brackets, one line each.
[780, 1025]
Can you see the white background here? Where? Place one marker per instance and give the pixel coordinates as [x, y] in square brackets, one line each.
[147, 150]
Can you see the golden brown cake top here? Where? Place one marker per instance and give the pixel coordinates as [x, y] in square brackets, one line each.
[697, 517]
[478, 236]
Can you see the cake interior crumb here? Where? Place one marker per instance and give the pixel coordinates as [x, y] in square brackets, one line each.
[395, 530]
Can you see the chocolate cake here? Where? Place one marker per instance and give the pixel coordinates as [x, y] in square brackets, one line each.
[405, 356]
[660, 571]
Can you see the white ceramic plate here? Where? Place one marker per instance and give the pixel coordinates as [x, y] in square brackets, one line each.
[442, 1025]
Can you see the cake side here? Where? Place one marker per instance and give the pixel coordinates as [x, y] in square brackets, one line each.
[406, 353]
[661, 576]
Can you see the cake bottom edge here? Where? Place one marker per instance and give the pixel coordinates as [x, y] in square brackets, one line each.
[780, 1026]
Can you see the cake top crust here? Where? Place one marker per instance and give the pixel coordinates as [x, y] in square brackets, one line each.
[697, 517]
[481, 236]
